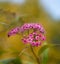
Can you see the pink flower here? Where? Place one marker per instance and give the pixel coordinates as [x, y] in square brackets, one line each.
[29, 40]
[35, 38]
[32, 26]
[43, 38]
[24, 41]
[31, 35]
[38, 43]
[35, 43]
[34, 33]
[14, 31]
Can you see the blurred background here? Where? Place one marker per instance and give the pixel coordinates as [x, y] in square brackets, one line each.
[17, 12]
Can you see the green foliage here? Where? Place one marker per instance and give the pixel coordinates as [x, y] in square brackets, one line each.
[2, 52]
[11, 61]
[43, 53]
[16, 61]
[45, 56]
[6, 61]
[43, 48]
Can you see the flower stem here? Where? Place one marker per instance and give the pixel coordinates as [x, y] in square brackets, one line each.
[22, 51]
[37, 59]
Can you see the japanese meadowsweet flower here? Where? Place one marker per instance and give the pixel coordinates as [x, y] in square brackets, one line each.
[35, 38]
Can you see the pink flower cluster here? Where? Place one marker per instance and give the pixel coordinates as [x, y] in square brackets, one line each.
[34, 38]
[32, 26]
[14, 31]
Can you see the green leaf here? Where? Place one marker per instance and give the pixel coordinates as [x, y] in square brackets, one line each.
[11, 60]
[43, 53]
[45, 56]
[6, 61]
[42, 49]
[16, 61]
[2, 52]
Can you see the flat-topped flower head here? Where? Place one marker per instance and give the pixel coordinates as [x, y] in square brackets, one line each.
[34, 38]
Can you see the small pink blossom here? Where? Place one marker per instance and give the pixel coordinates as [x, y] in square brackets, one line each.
[38, 43]
[43, 38]
[24, 41]
[33, 43]
[29, 39]
[34, 33]
[37, 37]
[31, 35]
